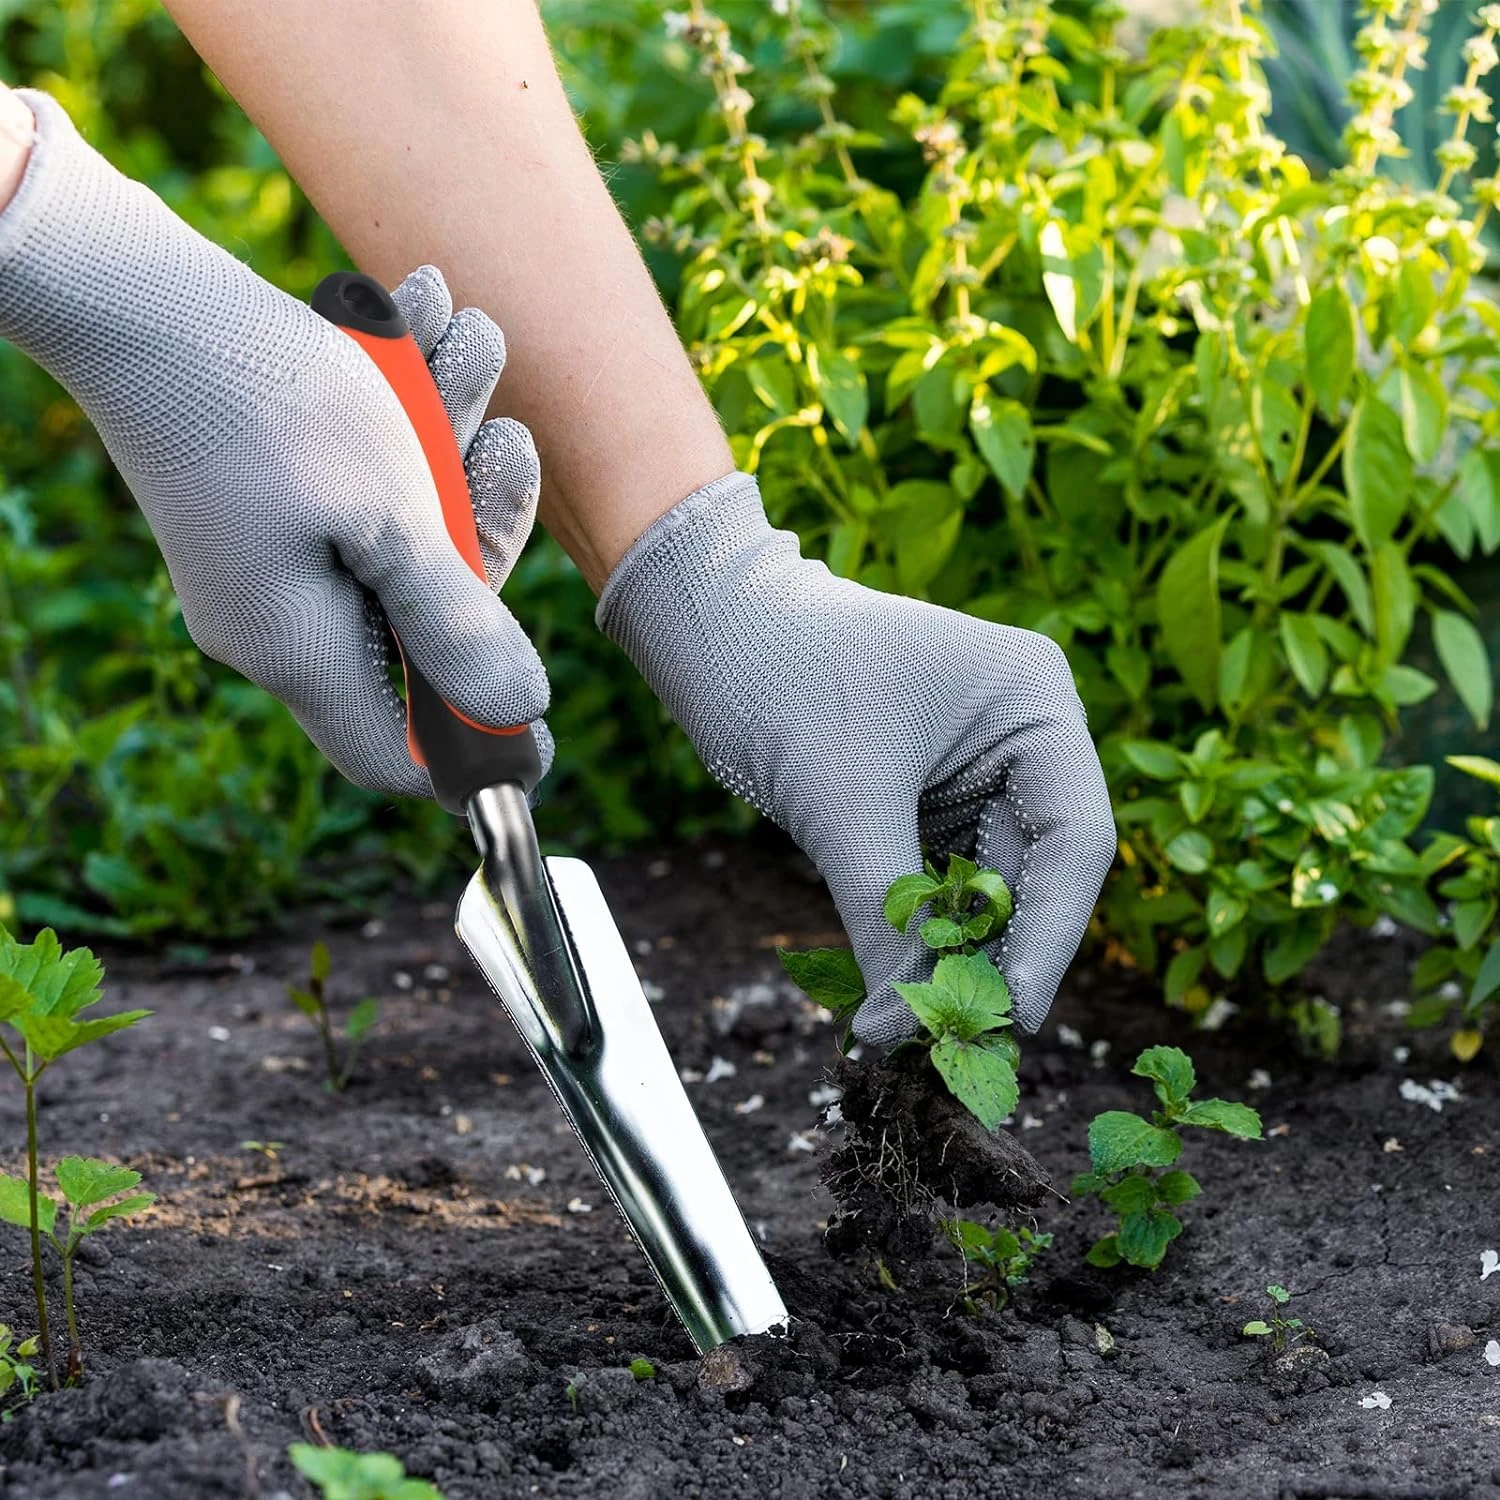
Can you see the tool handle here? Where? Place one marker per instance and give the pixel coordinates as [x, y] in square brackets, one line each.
[461, 756]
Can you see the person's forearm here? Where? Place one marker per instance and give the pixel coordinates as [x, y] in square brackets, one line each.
[439, 132]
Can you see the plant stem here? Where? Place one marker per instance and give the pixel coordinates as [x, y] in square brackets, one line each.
[330, 1051]
[38, 1285]
[75, 1344]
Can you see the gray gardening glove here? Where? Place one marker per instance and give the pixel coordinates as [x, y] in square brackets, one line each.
[867, 725]
[280, 475]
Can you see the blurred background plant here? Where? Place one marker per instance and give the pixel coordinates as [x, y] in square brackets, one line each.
[1047, 310]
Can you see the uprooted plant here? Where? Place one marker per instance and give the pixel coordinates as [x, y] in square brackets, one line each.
[43, 993]
[313, 1003]
[1134, 1172]
[908, 1143]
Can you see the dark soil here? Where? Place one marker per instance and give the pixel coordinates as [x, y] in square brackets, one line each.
[404, 1277]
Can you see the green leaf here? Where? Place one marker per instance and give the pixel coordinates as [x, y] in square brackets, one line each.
[1224, 910]
[1377, 471]
[1480, 766]
[1189, 613]
[1191, 852]
[966, 996]
[1057, 279]
[58, 983]
[991, 886]
[1152, 758]
[52, 1036]
[841, 388]
[830, 976]
[344, 1475]
[320, 964]
[1105, 1252]
[121, 1210]
[1279, 1294]
[1461, 649]
[1305, 652]
[1002, 433]
[1223, 1114]
[921, 524]
[1350, 577]
[1182, 974]
[1132, 1194]
[1119, 1139]
[1413, 298]
[1330, 343]
[1171, 1070]
[1487, 980]
[362, 1018]
[1424, 411]
[85, 1180]
[15, 1205]
[304, 1002]
[1143, 1238]
[942, 932]
[1479, 495]
[981, 1078]
[1255, 1327]
[905, 896]
[1177, 1187]
[1395, 601]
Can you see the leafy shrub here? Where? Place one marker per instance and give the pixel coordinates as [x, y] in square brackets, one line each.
[963, 1011]
[1133, 1159]
[1101, 358]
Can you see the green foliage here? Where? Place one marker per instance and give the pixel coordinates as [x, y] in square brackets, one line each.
[1462, 971]
[43, 993]
[18, 1377]
[642, 1369]
[1281, 1331]
[1132, 1159]
[995, 1260]
[964, 1009]
[340, 1474]
[313, 1003]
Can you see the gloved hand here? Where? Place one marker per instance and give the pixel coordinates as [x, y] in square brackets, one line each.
[867, 725]
[278, 472]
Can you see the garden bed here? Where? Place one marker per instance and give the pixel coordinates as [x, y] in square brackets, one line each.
[428, 1267]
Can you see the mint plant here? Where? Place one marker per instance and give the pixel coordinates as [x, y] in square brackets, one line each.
[1133, 1172]
[1281, 1330]
[964, 1010]
[313, 1003]
[340, 1474]
[43, 995]
[18, 1378]
[1002, 1258]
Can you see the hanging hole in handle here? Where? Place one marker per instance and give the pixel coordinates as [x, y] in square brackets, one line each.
[358, 303]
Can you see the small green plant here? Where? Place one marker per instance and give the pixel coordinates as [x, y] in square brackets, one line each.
[271, 1150]
[1468, 957]
[964, 1009]
[18, 1381]
[340, 1474]
[643, 1369]
[1133, 1172]
[313, 1003]
[43, 994]
[995, 1260]
[1280, 1330]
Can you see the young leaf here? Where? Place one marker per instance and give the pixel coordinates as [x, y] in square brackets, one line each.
[320, 965]
[1189, 613]
[990, 884]
[304, 1002]
[1177, 1187]
[830, 976]
[1424, 411]
[1279, 1294]
[1143, 1238]
[15, 1204]
[85, 1180]
[1330, 343]
[1487, 981]
[1461, 649]
[1171, 1070]
[1002, 433]
[1222, 1114]
[1256, 1327]
[58, 983]
[905, 896]
[50, 1036]
[1132, 1194]
[1119, 1139]
[942, 932]
[361, 1019]
[841, 387]
[1305, 652]
[981, 1078]
[123, 1209]
[1377, 471]
[1105, 1252]
[966, 996]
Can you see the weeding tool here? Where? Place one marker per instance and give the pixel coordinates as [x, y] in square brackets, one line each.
[542, 935]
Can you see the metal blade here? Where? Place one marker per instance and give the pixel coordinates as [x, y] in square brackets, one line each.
[620, 1092]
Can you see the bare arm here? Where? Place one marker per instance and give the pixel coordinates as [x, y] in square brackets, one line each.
[439, 132]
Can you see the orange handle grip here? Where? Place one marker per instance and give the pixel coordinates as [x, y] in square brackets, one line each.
[461, 756]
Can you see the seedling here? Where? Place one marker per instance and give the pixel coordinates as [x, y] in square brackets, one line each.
[1002, 1257]
[313, 1003]
[43, 992]
[271, 1150]
[1133, 1172]
[340, 1474]
[643, 1369]
[1281, 1331]
[964, 1010]
[17, 1374]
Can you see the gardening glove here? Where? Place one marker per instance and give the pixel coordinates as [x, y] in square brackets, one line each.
[278, 471]
[868, 725]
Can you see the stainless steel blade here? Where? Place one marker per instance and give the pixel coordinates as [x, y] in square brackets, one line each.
[619, 1089]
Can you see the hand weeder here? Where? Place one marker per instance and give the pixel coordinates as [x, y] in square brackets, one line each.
[542, 935]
